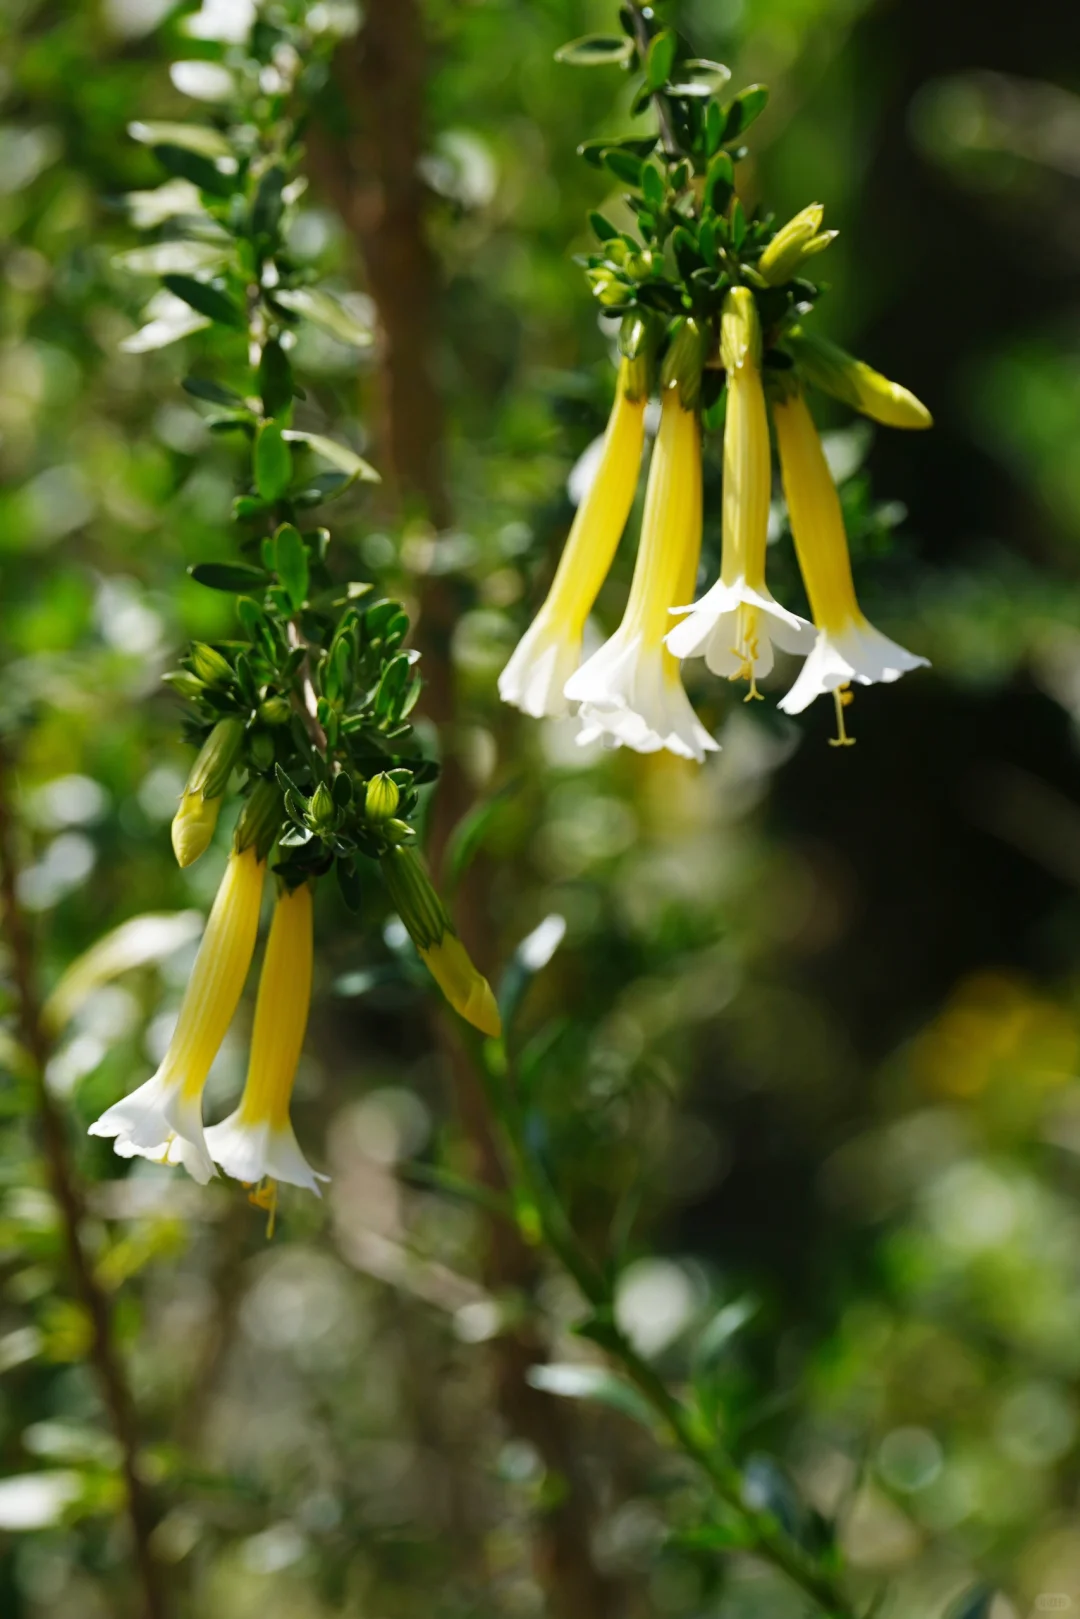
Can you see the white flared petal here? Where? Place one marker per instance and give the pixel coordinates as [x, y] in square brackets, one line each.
[255, 1152]
[631, 695]
[712, 630]
[858, 653]
[541, 664]
[158, 1122]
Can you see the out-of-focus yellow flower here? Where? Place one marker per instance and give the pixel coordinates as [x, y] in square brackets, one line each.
[256, 1142]
[800, 239]
[631, 691]
[163, 1118]
[550, 649]
[194, 822]
[735, 623]
[848, 647]
[829, 368]
[442, 952]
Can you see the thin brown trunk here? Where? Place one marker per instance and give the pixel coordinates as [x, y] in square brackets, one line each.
[35, 1042]
[373, 175]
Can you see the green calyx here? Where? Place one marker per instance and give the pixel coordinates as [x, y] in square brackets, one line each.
[413, 896]
[685, 359]
[260, 820]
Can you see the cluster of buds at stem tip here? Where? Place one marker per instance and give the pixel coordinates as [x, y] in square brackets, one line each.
[800, 239]
[442, 952]
[194, 822]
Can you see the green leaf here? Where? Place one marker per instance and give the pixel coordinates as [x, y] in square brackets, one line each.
[266, 209]
[624, 165]
[164, 258]
[572, 1382]
[596, 50]
[738, 225]
[719, 182]
[291, 563]
[194, 137]
[273, 462]
[213, 392]
[236, 577]
[603, 228]
[326, 311]
[349, 883]
[747, 106]
[718, 1333]
[467, 837]
[205, 300]
[661, 59]
[391, 688]
[338, 455]
[202, 171]
[652, 184]
[714, 128]
[275, 379]
[704, 78]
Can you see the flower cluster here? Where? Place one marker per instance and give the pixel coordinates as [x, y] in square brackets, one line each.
[308, 707]
[713, 308]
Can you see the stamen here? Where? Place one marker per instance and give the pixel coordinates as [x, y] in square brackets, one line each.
[265, 1196]
[843, 697]
[753, 695]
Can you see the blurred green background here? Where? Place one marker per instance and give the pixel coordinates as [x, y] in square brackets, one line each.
[809, 1056]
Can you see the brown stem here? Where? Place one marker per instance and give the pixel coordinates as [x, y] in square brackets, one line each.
[373, 176]
[35, 1042]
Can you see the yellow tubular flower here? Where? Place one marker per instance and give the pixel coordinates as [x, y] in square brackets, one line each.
[735, 623]
[256, 1141]
[631, 691]
[467, 990]
[848, 647]
[442, 952]
[163, 1118]
[836, 372]
[195, 820]
[550, 649]
[193, 827]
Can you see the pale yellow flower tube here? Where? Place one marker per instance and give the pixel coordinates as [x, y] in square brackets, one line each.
[550, 649]
[257, 1141]
[631, 690]
[735, 623]
[848, 648]
[163, 1118]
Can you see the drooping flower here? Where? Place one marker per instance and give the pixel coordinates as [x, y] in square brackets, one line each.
[550, 650]
[836, 372]
[848, 647]
[256, 1142]
[163, 1118]
[442, 952]
[631, 690]
[735, 623]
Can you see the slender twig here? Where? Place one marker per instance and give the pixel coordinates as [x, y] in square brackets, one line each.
[308, 704]
[663, 117]
[36, 1044]
[765, 1538]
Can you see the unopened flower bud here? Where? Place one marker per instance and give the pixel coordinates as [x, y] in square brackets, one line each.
[835, 372]
[795, 242]
[209, 665]
[275, 710]
[382, 798]
[442, 952]
[184, 684]
[740, 330]
[321, 813]
[193, 827]
[607, 287]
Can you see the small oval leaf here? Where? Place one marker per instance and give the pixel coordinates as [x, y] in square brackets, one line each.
[596, 50]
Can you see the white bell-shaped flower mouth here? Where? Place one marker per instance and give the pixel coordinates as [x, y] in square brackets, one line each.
[631, 695]
[259, 1150]
[541, 664]
[158, 1121]
[735, 627]
[858, 654]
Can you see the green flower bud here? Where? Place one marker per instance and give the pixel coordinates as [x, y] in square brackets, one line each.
[193, 827]
[210, 666]
[321, 814]
[260, 819]
[382, 798]
[740, 330]
[184, 684]
[399, 831]
[607, 287]
[795, 242]
[835, 372]
[275, 710]
[686, 355]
